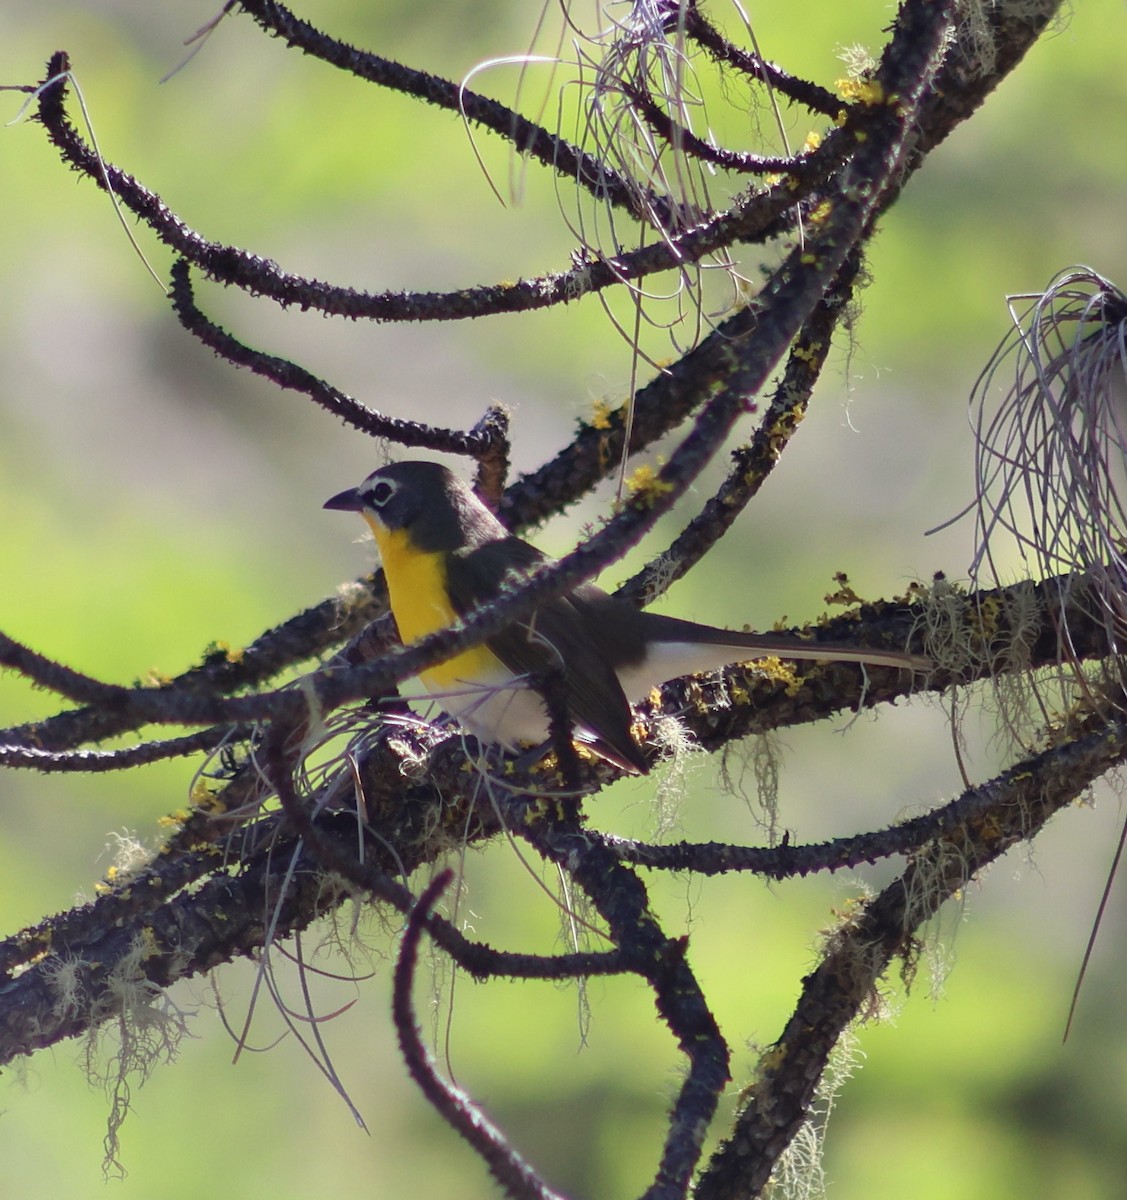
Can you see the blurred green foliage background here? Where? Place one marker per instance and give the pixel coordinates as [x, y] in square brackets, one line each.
[158, 501]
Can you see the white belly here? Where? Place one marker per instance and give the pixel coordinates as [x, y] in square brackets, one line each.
[507, 712]
[504, 711]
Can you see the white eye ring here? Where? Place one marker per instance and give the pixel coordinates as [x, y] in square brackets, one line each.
[381, 493]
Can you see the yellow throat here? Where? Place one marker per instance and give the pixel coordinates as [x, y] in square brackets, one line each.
[416, 584]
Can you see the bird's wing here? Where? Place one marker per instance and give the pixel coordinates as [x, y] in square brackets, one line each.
[558, 640]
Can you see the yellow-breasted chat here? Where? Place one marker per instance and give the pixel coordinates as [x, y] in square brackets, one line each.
[444, 554]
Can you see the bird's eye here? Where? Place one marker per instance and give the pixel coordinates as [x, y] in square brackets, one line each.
[381, 494]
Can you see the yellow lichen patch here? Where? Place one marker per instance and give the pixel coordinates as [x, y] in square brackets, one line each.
[229, 654]
[544, 808]
[861, 91]
[783, 428]
[201, 794]
[213, 802]
[147, 945]
[988, 830]
[112, 882]
[695, 696]
[600, 415]
[845, 595]
[779, 671]
[917, 592]
[739, 695]
[989, 613]
[645, 486]
[788, 422]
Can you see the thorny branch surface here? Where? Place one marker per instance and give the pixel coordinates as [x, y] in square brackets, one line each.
[268, 850]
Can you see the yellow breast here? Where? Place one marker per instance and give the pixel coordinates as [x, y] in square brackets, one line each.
[416, 583]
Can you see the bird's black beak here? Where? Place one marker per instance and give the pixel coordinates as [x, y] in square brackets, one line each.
[347, 501]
